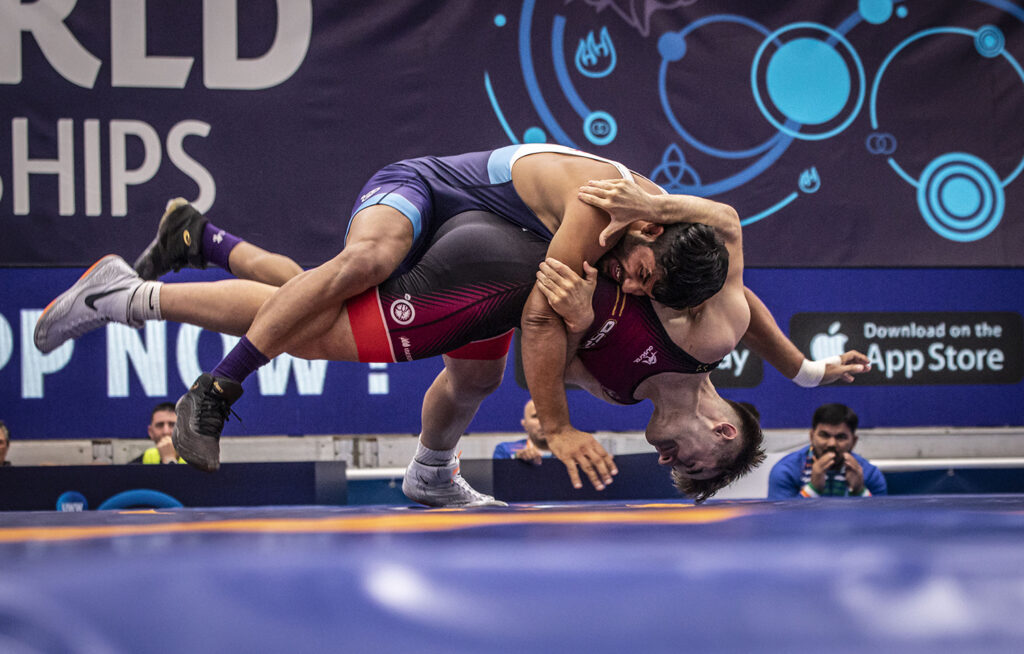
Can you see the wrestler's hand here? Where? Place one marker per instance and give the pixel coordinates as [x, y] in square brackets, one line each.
[530, 453]
[623, 200]
[850, 363]
[580, 451]
[569, 294]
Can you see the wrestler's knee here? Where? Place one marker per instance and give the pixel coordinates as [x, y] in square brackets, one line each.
[474, 378]
[371, 261]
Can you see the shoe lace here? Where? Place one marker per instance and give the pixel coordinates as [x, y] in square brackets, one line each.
[459, 481]
[476, 495]
[212, 413]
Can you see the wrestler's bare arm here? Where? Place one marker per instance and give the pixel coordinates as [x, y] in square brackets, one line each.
[570, 295]
[711, 330]
[625, 201]
[544, 350]
[765, 338]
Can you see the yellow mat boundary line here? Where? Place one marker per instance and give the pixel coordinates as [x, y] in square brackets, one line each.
[426, 521]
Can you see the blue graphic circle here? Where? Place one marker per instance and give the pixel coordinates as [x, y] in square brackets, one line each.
[834, 36]
[670, 41]
[535, 135]
[672, 46]
[500, 20]
[875, 12]
[989, 41]
[808, 81]
[72, 501]
[600, 128]
[975, 206]
[902, 11]
[960, 197]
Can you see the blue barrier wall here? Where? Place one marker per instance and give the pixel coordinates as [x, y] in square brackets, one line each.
[104, 384]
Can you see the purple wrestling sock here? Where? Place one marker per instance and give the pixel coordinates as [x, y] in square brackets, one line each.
[217, 245]
[240, 362]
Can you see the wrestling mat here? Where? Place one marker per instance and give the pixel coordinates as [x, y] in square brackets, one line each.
[895, 574]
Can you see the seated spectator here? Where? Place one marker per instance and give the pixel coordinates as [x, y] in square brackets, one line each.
[5, 441]
[828, 466]
[161, 426]
[533, 448]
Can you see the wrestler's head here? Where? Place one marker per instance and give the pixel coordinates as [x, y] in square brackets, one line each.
[679, 265]
[711, 449]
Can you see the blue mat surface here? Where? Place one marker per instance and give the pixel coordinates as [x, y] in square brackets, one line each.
[896, 574]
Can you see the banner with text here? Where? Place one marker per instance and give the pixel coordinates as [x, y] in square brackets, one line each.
[845, 133]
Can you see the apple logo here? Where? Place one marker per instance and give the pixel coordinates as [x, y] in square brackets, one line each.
[832, 344]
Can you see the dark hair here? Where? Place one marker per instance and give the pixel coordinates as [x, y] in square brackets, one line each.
[835, 414]
[751, 454]
[163, 406]
[694, 264]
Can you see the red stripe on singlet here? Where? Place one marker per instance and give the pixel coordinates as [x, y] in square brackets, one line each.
[373, 343]
[491, 348]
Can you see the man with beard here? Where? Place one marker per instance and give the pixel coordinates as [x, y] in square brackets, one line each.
[828, 467]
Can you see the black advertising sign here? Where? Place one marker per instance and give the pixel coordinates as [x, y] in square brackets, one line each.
[740, 369]
[919, 348]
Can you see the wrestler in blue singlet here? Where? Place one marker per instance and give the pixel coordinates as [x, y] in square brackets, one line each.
[443, 304]
[430, 190]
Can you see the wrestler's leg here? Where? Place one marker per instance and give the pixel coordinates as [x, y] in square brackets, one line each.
[187, 239]
[452, 400]
[228, 306]
[248, 261]
[449, 405]
[307, 306]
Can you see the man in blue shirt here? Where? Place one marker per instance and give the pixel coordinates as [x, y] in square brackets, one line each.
[828, 466]
[531, 449]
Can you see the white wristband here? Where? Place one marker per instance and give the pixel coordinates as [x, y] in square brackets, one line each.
[811, 372]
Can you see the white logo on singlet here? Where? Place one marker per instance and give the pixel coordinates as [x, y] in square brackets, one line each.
[369, 195]
[650, 356]
[402, 311]
[596, 338]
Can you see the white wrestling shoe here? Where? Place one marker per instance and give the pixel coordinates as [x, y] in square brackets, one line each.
[101, 295]
[442, 486]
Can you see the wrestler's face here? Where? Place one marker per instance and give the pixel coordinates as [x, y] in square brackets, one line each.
[691, 455]
[631, 263]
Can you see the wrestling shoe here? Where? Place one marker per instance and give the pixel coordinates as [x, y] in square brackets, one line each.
[102, 294]
[442, 486]
[178, 243]
[201, 414]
